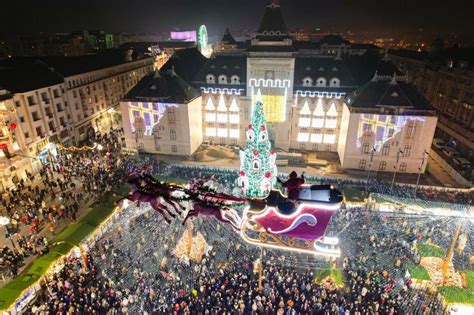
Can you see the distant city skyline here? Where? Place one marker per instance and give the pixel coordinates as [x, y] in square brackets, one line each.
[394, 17]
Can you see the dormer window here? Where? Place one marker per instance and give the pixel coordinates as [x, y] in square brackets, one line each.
[235, 79]
[213, 67]
[224, 67]
[210, 79]
[321, 69]
[334, 69]
[307, 81]
[321, 82]
[222, 79]
[308, 68]
[236, 67]
[335, 82]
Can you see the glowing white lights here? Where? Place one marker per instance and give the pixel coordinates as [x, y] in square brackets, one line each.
[210, 117]
[228, 91]
[303, 137]
[329, 138]
[316, 138]
[331, 123]
[332, 111]
[222, 132]
[221, 107]
[210, 104]
[233, 106]
[210, 132]
[234, 118]
[304, 122]
[222, 118]
[318, 122]
[305, 109]
[234, 133]
[319, 111]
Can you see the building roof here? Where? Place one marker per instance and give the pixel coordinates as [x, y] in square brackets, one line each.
[322, 66]
[388, 92]
[228, 38]
[333, 40]
[365, 46]
[19, 75]
[272, 48]
[228, 65]
[306, 45]
[272, 22]
[186, 63]
[163, 87]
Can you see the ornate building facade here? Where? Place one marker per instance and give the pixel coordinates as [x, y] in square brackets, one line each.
[304, 94]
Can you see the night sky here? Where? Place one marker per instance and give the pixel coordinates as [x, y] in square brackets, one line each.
[145, 16]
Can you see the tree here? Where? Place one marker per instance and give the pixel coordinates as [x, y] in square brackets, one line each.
[257, 159]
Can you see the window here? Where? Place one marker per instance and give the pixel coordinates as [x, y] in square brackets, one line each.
[234, 79]
[328, 147]
[210, 117]
[27, 135]
[174, 148]
[316, 138]
[172, 135]
[56, 93]
[403, 167]
[321, 82]
[210, 78]
[74, 93]
[386, 149]
[31, 100]
[407, 150]
[59, 108]
[318, 122]
[362, 164]
[51, 126]
[17, 103]
[302, 147]
[39, 131]
[22, 119]
[411, 129]
[303, 137]
[210, 132]
[304, 122]
[234, 119]
[222, 118]
[222, 132]
[35, 116]
[307, 81]
[331, 123]
[329, 138]
[365, 148]
[335, 82]
[222, 79]
[382, 166]
[171, 115]
[233, 133]
[315, 146]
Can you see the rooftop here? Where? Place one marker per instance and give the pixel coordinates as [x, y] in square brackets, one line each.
[186, 63]
[272, 22]
[163, 86]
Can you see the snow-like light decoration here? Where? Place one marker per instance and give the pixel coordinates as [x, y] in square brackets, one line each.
[329, 138]
[234, 118]
[277, 83]
[332, 111]
[228, 91]
[234, 133]
[336, 95]
[221, 107]
[210, 132]
[319, 110]
[318, 122]
[303, 137]
[233, 106]
[316, 138]
[257, 159]
[222, 132]
[210, 117]
[305, 109]
[330, 123]
[210, 104]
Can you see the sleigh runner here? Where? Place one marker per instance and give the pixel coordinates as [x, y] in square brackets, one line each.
[300, 226]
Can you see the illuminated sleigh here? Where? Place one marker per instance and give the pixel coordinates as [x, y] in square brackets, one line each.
[302, 229]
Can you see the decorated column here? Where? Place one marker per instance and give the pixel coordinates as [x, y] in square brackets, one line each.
[257, 159]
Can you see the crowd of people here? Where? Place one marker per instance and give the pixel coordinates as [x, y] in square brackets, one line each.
[63, 187]
[126, 272]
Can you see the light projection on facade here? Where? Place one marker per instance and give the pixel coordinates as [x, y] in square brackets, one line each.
[382, 128]
[187, 36]
[147, 113]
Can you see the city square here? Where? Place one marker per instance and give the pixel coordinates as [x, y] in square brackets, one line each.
[271, 171]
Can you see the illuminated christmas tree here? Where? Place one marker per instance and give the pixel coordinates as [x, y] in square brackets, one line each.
[257, 159]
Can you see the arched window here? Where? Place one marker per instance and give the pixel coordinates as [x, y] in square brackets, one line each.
[321, 82]
[335, 82]
[210, 78]
[222, 79]
[307, 81]
[234, 79]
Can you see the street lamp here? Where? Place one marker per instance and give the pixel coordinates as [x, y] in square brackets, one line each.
[396, 168]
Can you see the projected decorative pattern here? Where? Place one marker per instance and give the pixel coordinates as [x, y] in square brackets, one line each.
[383, 127]
[151, 114]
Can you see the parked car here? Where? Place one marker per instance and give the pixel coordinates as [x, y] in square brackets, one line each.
[438, 143]
[462, 162]
[449, 152]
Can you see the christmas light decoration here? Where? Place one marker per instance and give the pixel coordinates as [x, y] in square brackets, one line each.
[257, 160]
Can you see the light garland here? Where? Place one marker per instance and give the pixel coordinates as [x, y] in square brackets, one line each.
[74, 148]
